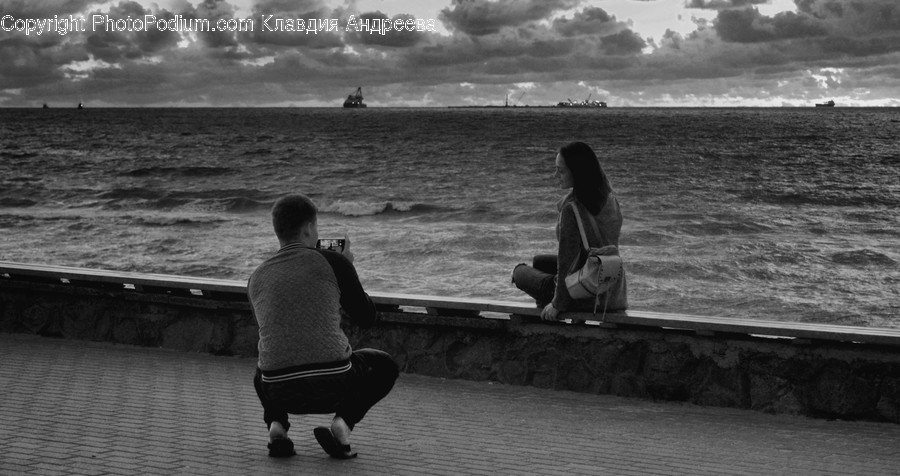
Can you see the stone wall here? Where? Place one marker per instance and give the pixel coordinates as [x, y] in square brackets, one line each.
[181, 322]
[820, 379]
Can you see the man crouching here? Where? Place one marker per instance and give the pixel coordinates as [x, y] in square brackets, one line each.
[306, 365]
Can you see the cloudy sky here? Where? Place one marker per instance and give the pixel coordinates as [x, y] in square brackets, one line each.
[472, 52]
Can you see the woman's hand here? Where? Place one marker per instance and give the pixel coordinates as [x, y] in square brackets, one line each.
[550, 313]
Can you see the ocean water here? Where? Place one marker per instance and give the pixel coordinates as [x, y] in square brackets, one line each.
[783, 214]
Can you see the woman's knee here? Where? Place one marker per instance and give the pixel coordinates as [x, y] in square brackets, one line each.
[529, 279]
[546, 263]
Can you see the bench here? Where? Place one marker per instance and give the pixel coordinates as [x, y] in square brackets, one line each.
[455, 307]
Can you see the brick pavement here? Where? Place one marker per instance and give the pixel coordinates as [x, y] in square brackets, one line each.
[69, 407]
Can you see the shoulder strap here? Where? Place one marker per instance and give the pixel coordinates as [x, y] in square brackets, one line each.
[584, 240]
[594, 226]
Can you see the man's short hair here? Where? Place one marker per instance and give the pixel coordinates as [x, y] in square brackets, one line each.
[290, 213]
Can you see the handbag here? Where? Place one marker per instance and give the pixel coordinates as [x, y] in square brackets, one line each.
[601, 271]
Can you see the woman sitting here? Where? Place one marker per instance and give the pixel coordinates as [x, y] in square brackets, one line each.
[578, 168]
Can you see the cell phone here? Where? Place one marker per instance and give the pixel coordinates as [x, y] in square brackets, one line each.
[333, 244]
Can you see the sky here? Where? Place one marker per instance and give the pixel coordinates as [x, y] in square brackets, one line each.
[628, 53]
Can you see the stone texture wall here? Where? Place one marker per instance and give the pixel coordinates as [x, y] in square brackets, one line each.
[821, 379]
[181, 322]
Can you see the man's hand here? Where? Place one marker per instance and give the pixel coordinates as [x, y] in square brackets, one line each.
[346, 251]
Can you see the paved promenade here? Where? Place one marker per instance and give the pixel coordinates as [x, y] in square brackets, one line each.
[69, 407]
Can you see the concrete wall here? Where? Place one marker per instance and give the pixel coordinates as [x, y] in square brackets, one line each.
[821, 379]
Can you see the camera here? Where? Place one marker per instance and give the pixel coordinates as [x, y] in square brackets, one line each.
[333, 244]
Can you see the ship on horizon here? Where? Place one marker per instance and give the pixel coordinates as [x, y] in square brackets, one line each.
[355, 100]
[830, 103]
[586, 103]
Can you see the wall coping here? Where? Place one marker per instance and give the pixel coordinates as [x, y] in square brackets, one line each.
[465, 312]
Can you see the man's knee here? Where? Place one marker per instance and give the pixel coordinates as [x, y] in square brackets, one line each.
[388, 367]
[392, 370]
[379, 363]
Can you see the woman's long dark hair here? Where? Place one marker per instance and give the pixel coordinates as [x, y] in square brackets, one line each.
[591, 187]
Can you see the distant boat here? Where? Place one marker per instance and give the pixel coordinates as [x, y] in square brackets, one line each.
[81, 105]
[586, 103]
[571, 103]
[825, 104]
[355, 100]
[46, 106]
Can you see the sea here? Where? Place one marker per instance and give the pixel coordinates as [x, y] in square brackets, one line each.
[787, 214]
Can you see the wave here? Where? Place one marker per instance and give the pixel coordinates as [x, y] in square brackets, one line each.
[542, 217]
[188, 171]
[859, 196]
[245, 204]
[232, 200]
[863, 257]
[17, 222]
[882, 231]
[154, 222]
[680, 270]
[468, 213]
[129, 193]
[13, 202]
[168, 202]
[81, 227]
[6, 154]
[139, 192]
[716, 228]
[261, 151]
[357, 209]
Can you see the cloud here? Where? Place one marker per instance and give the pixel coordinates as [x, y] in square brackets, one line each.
[525, 47]
[855, 17]
[590, 21]
[29, 63]
[42, 8]
[821, 30]
[482, 17]
[624, 43]
[722, 4]
[749, 26]
[565, 48]
[111, 46]
[214, 10]
[304, 10]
